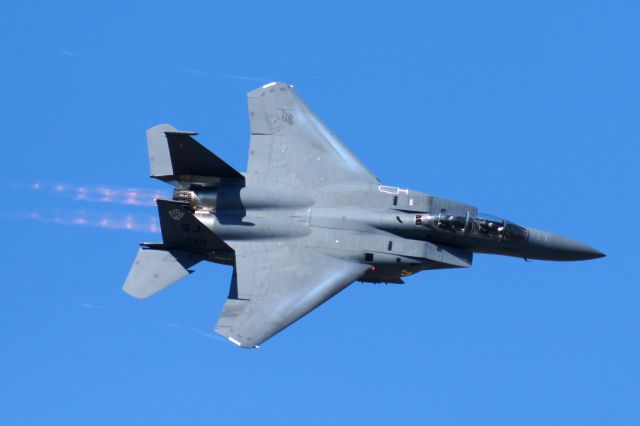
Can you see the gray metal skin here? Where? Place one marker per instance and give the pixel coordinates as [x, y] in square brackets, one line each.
[305, 221]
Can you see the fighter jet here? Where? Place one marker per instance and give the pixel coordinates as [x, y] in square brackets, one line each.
[305, 221]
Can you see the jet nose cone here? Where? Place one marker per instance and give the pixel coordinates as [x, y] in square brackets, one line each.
[591, 253]
[574, 250]
[556, 247]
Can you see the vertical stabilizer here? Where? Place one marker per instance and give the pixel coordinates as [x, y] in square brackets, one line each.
[174, 157]
[182, 230]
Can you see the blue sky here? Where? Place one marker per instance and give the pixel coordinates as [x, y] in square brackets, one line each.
[528, 111]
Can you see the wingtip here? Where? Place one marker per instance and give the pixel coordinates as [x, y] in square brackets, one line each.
[269, 87]
[239, 343]
[274, 83]
[234, 341]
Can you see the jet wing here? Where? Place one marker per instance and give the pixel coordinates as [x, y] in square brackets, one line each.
[291, 145]
[275, 285]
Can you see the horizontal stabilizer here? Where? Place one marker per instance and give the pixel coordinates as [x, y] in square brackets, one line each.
[154, 270]
[175, 156]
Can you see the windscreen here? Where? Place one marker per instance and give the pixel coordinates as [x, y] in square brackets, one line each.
[483, 226]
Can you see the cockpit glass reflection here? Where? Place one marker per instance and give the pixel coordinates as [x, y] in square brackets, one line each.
[482, 226]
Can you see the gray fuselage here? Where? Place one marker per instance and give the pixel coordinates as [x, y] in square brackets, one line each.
[398, 231]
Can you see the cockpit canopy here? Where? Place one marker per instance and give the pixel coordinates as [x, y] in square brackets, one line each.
[483, 226]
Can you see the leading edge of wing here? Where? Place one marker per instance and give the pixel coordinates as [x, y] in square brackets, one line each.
[275, 286]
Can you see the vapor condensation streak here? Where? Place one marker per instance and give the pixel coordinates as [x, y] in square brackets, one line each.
[101, 194]
[124, 222]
